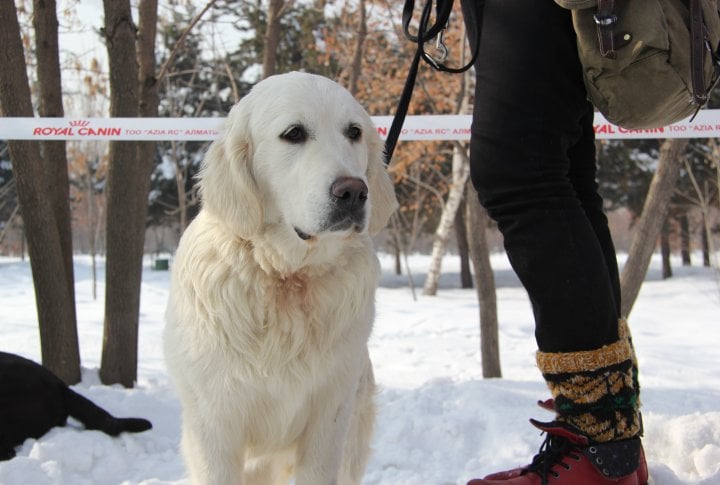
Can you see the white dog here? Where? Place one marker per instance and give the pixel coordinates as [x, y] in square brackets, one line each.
[272, 297]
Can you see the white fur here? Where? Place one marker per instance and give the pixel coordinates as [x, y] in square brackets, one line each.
[266, 335]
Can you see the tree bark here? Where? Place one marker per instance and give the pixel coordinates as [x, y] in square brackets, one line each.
[705, 241]
[272, 37]
[126, 205]
[54, 300]
[398, 260]
[56, 166]
[460, 175]
[461, 172]
[685, 240]
[180, 179]
[134, 91]
[466, 278]
[149, 96]
[650, 223]
[149, 99]
[54, 155]
[356, 67]
[665, 250]
[477, 220]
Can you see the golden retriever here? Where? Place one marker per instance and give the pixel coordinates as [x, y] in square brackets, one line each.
[272, 295]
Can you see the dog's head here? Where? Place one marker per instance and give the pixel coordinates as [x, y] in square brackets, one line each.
[298, 151]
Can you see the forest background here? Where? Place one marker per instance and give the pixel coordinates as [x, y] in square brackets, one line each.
[123, 200]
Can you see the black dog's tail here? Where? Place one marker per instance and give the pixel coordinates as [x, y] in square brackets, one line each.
[94, 417]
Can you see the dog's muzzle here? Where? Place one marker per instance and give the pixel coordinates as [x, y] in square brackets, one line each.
[349, 196]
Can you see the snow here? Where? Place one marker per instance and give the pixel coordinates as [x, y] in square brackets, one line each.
[439, 422]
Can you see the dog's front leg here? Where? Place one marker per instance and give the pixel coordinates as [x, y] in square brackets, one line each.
[321, 447]
[213, 454]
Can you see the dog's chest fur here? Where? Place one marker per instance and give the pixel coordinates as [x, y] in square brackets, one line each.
[240, 332]
[277, 321]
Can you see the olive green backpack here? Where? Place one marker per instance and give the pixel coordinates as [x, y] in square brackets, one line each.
[647, 63]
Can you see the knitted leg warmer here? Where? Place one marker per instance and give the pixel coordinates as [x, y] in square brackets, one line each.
[596, 391]
[624, 334]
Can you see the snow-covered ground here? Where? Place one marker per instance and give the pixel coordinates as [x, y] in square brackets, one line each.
[439, 422]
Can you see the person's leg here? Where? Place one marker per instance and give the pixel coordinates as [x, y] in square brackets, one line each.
[533, 165]
[583, 173]
[529, 107]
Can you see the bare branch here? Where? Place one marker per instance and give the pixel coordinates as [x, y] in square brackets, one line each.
[181, 40]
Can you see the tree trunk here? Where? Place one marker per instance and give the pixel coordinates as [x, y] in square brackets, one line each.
[272, 37]
[149, 100]
[398, 260]
[23, 237]
[477, 220]
[149, 97]
[461, 171]
[54, 155]
[685, 240]
[705, 241]
[134, 91]
[56, 165]
[356, 68]
[54, 301]
[651, 220]
[466, 278]
[180, 176]
[126, 205]
[665, 250]
[93, 239]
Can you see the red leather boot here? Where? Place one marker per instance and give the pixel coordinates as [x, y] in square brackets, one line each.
[594, 439]
[568, 458]
[642, 472]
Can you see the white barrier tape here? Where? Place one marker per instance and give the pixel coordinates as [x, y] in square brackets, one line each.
[431, 127]
[109, 128]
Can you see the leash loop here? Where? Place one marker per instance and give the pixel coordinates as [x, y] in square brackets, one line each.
[425, 33]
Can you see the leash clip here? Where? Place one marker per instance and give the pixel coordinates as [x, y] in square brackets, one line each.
[441, 49]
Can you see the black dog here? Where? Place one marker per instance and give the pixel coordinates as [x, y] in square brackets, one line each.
[33, 400]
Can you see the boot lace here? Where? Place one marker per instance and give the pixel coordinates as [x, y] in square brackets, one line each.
[552, 452]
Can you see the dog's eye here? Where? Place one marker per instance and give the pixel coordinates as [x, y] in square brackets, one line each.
[295, 134]
[354, 132]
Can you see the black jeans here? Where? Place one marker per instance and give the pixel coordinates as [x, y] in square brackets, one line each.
[532, 156]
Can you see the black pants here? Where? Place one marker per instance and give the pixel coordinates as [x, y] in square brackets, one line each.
[533, 164]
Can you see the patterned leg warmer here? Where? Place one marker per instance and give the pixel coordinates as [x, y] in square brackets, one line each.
[596, 391]
[624, 334]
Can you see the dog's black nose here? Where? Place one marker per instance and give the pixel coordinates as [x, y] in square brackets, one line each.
[349, 193]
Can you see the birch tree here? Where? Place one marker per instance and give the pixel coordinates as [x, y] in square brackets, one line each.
[651, 221]
[460, 174]
[477, 222]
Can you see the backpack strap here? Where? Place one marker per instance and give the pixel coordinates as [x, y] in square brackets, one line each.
[697, 53]
[605, 20]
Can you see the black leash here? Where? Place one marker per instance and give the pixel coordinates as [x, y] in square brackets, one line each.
[426, 33]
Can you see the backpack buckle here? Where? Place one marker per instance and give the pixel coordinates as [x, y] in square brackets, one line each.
[606, 20]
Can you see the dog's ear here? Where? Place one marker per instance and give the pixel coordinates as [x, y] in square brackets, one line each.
[227, 184]
[382, 192]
